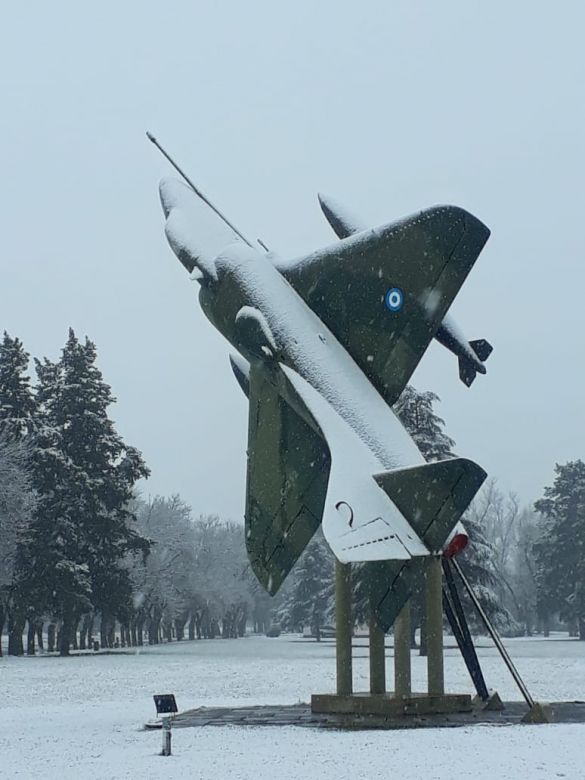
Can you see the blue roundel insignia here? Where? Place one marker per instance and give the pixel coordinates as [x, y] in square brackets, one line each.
[394, 299]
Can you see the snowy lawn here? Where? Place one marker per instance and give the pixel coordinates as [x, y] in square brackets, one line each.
[81, 716]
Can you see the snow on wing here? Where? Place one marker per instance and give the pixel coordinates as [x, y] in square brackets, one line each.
[360, 523]
[425, 257]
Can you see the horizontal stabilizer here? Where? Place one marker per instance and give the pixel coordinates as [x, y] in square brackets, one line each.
[468, 366]
[482, 348]
[433, 497]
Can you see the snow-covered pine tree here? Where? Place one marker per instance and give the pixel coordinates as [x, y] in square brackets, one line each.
[85, 476]
[16, 507]
[416, 412]
[560, 549]
[17, 408]
[308, 597]
[51, 573]
[17, 404]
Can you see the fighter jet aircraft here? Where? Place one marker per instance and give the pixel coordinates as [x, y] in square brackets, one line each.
[470, 354]
[325, 345]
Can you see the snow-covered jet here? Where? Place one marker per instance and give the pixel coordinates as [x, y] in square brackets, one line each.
[470, 354]
[326, 345]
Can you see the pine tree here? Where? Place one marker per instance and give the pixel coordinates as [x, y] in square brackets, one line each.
[17, 408]
[416, 412]
[110, 469]
[308, 599]
[560, 550]
[84, 476]
[17, 403]
[16, 506]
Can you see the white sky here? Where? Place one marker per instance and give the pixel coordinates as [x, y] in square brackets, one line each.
[388, 106]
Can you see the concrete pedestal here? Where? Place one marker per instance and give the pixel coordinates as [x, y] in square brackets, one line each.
[402, 669]
[434, 603]
[388, 705]
[343, 627]
[377, 658]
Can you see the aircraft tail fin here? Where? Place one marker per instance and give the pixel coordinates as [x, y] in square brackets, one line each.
[343, 223]
[468, 369]
[434, 496]
[391, 584]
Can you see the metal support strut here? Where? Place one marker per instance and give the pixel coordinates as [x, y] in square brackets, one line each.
[494, 635]
[460, 628]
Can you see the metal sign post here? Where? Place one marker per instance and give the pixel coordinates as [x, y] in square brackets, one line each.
[166, 737]
[166, 706]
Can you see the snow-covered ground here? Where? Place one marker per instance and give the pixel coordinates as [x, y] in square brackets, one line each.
[82, 716]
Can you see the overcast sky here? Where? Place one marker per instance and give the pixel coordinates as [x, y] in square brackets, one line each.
[388, 106]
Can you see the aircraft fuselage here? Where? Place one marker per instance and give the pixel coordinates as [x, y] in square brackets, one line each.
[246, 278]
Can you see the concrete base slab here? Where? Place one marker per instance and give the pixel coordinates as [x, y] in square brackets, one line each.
[301, 715]
[389, 705]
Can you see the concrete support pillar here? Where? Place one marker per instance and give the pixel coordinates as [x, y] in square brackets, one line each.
[343, 628]
[402, 673]
[377, 658]
[434, 599]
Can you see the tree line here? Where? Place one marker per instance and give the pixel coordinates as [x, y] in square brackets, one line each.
[84, 558]
[79, 551]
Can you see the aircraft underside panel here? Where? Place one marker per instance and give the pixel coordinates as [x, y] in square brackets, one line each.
[288, 472]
